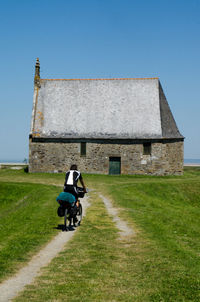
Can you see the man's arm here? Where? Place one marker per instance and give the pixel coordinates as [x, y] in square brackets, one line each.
[83, 185]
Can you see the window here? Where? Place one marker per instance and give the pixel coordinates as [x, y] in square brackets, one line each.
[147, 149]
[83, 149]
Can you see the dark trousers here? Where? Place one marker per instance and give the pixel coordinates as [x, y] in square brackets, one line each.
[72, 190]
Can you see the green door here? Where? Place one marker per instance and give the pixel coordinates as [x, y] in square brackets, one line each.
[115, 165]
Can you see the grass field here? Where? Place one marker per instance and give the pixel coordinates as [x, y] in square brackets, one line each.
[28, 220]
[159, 263]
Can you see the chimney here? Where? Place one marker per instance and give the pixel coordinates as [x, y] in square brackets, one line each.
[37, 73]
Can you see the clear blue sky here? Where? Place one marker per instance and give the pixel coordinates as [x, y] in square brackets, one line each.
[94, 39]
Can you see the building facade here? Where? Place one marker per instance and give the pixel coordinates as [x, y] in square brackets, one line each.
[106, 126]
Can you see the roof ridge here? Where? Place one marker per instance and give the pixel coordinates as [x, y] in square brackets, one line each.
[100, 79]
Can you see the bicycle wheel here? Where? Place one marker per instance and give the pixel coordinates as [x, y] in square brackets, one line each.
[66, 219]
[79, 214]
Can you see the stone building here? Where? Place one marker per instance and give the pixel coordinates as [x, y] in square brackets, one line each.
[107, 126]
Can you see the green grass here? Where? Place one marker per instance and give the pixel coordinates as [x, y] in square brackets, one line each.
[159, 263]
[168, 215]
[28, 220]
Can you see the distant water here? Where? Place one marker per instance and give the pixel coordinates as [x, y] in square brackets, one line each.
[191, 161]
[17, 161]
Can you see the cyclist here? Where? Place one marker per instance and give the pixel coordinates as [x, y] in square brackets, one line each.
[71, 179]
[70, 194]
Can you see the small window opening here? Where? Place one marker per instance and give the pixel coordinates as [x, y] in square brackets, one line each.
[147, 149]
[83, 149]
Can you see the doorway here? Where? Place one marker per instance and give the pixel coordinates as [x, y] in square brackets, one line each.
[114, 165]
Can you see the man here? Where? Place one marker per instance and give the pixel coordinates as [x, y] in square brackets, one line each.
[71, 180]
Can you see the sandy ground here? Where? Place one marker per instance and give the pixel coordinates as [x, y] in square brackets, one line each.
[191, 165]
[11, 287]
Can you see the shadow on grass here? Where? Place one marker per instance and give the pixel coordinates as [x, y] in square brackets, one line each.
[62, 228]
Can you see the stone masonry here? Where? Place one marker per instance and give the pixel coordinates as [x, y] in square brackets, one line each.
[166, 157]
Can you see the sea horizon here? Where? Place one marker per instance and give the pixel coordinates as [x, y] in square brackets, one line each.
[12, 161]
[191, 161]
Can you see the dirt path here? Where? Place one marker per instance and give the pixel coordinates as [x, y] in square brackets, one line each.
[124, 229]
[11, 287]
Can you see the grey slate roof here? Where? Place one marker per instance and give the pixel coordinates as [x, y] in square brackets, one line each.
[102, 108]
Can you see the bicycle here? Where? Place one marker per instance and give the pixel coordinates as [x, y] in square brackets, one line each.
[72, 212]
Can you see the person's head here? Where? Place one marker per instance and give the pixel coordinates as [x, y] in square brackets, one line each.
[73, 167]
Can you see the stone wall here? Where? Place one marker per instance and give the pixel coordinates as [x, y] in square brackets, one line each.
[166, 157]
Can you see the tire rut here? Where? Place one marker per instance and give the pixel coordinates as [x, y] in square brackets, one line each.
[124, 229]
